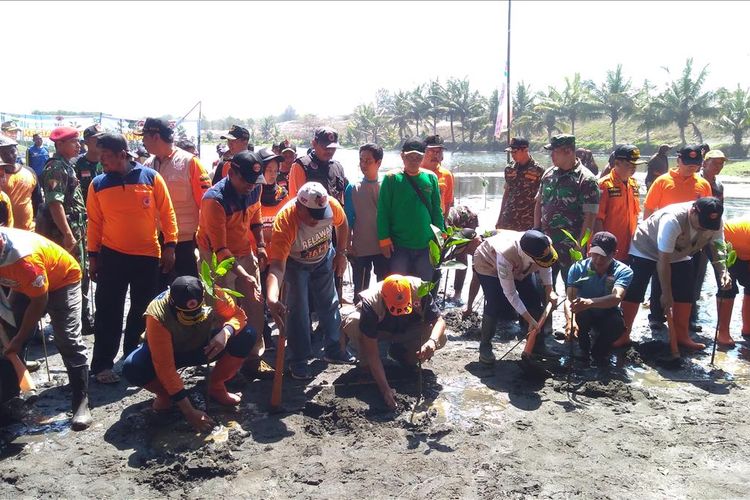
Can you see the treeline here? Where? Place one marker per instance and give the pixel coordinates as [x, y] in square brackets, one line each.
[467, 118]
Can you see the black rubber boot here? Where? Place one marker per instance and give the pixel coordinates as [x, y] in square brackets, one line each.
[486, 356]
[79, 383]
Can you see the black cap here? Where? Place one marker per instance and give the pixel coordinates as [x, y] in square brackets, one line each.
[413, 145]
[265, 155]
[285, 145]
[517, 143]
[114, 143]
[186, 293]
[629, 153]
[539, 247]
[603, 243]
[709, 210]
[433, 141]
[691, 155]
[221, 148]
[156, 126]
[236, 132]
[94, 130]
[561, 140]
[705, 148]
[327, 137]
[249, 167]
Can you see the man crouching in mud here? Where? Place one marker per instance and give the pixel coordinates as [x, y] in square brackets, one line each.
[595, 288]
[392, 310]
[185, 328]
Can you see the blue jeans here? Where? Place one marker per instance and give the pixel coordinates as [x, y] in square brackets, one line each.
[300, 278]
[408, 262]
[139, 367]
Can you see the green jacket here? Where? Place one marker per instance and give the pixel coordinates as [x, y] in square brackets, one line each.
[402, 217]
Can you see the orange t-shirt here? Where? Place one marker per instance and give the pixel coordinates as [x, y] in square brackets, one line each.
[445, 184]
[8, 207]
[46, 267]
[737, 232]
[20, 187]
[303, 243]
[673, 188]
[619, 207]
[268, 214]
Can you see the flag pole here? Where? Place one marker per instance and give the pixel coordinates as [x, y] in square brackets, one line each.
[507, 82]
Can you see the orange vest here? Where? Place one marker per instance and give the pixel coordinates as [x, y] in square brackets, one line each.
[619, 208]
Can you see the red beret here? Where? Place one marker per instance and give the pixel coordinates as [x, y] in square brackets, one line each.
[63, 134]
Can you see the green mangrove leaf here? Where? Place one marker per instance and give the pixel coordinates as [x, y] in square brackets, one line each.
[233, 293]
[453, 264]
[569, 236]
[434, 253]
[586, 237]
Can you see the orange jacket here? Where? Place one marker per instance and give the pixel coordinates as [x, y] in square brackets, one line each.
[162, 351]
[226, 220]
[445, 184]
[673, 188]
[619, 208]
[123, 212]
[38, 266]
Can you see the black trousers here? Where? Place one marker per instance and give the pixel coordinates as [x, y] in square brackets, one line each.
[116, 271]
[608, 326]
[361, 269]
[496, 303]
[185, 264]
[683, 276]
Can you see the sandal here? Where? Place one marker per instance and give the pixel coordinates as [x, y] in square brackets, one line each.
[107, 377]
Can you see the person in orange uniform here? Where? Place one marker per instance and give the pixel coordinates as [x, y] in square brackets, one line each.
[619, 205]
[679, 185]
[44, 277]
[187, 182]
[126, 205]
[6, 207]
[231, 226]
[432, 161]
[20, 185]
[186, 327]
[736, 232]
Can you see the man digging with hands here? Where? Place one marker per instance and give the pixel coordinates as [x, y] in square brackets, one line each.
[393, 311]
[184, 327]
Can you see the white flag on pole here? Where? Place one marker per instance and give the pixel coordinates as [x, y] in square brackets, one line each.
[503, 94]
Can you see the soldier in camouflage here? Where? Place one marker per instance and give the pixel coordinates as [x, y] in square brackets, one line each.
[63, 218]
[87, 166]
[568, 199]
[522, 179]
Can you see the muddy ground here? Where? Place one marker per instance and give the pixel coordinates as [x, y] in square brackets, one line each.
[638, 431]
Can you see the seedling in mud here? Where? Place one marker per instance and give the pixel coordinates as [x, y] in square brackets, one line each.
[444, 248]
[575, 253]
[211, 272]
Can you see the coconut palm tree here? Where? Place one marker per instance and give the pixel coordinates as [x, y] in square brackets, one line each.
[614, 98]
[684, 102]
[645, 110]
[367, 124]
[546, 114]
[524, 101]
[573, 103]
[419, 105]
[734, 116]
[398, 112]
[434, 100]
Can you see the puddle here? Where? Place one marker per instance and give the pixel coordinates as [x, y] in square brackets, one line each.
[463, 404]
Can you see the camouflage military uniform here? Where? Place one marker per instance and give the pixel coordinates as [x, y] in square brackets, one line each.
[60, 183]
[565, 198]
[86, 171]
[521, 187]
